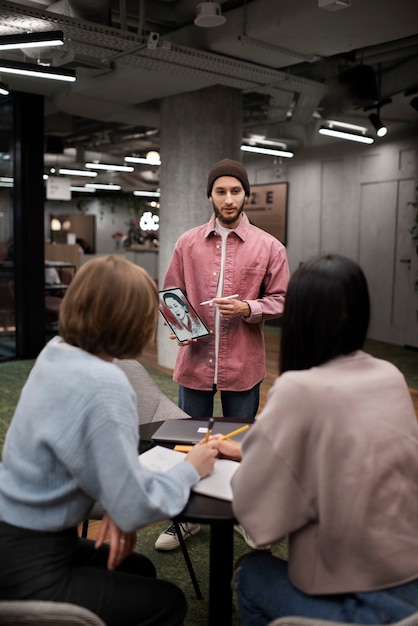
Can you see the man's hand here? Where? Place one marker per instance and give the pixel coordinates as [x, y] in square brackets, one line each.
[231, 308]
[187, 342]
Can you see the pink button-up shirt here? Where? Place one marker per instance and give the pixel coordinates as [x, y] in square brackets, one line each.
[256, 268]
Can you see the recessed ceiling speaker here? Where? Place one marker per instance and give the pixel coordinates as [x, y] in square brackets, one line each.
[208, 15]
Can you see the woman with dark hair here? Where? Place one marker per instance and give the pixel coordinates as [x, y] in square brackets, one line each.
[332, 463]
[73, 441]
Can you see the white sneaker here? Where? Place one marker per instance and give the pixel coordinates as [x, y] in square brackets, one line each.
[250, 543]
[168, 540]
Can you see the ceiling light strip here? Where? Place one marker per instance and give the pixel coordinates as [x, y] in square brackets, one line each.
[108, 187]
[82, 189]
[32, 40]
[340, 134]
[69, 172]
[141, 160]
[147, 194]
[110, 168]
[267, 151]
[36, 71]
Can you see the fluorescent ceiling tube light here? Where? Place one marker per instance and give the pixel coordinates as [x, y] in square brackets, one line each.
[142, 160]
[341, 134]
[147, 194]
[4, 90]
[68, 172]
[109, 187]
[380, 128]
[82, 189]
[267, 151]
[32, 40]
[37, 71]
[110, 168]
[346, 126]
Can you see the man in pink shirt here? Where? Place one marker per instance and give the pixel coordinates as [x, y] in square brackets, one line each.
[228, 256]
[243, 272]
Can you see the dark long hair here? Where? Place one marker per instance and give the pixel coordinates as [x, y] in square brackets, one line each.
[326, 314]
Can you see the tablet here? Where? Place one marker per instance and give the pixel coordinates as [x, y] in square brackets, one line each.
[180, 316]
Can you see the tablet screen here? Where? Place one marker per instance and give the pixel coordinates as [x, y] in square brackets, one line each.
[180, 316]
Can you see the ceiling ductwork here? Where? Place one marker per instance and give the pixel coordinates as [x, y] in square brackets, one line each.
[286, 58]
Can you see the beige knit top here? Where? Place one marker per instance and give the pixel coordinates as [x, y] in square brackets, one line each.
[333, 462]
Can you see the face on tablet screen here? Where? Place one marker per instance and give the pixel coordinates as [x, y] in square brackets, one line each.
[180, 316]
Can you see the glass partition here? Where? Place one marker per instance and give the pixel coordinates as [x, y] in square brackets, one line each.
[7, 266]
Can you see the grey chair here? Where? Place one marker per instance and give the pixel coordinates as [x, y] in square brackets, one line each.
[153, 405]
[41, 613]
[412, 620]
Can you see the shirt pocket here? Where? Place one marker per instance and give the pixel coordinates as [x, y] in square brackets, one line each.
[251, 284]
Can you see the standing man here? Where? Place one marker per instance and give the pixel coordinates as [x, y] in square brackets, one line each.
[228, 256]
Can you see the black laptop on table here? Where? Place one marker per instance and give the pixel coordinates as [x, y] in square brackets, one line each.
[191, 431]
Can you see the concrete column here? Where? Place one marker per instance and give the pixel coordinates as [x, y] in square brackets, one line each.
[197, 130]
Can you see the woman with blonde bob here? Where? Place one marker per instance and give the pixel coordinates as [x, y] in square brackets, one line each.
[73, 440]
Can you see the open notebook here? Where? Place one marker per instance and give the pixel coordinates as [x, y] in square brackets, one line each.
[217, 485]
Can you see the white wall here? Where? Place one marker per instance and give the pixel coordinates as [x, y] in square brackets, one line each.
[353, 200]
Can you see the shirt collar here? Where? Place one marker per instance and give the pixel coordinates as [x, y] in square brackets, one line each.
[241, 230]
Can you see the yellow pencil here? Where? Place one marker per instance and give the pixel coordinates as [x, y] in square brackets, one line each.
[236, 432]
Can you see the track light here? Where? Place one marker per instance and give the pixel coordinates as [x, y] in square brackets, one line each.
[4, 90]
[32, 40]
[36, 71]
[380, 128]
[344, 133]
[267, 151]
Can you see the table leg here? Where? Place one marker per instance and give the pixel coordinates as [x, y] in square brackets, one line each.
[221, 556]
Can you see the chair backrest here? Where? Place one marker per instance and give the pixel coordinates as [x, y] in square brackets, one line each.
[411, 620]
[41, 613]
[153, 405]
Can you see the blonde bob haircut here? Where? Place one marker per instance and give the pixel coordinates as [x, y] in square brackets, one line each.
[110, 307]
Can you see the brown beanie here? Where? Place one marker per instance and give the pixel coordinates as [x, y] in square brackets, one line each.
[227, 167]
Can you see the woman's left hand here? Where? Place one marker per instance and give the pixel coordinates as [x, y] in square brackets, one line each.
[121, 543]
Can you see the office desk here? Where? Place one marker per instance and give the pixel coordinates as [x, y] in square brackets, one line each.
[219, 515]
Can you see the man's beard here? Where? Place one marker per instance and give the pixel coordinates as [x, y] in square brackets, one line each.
[226, 221]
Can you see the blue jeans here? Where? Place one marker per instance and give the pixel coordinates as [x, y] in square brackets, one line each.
[199, 404]
[265, 593]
